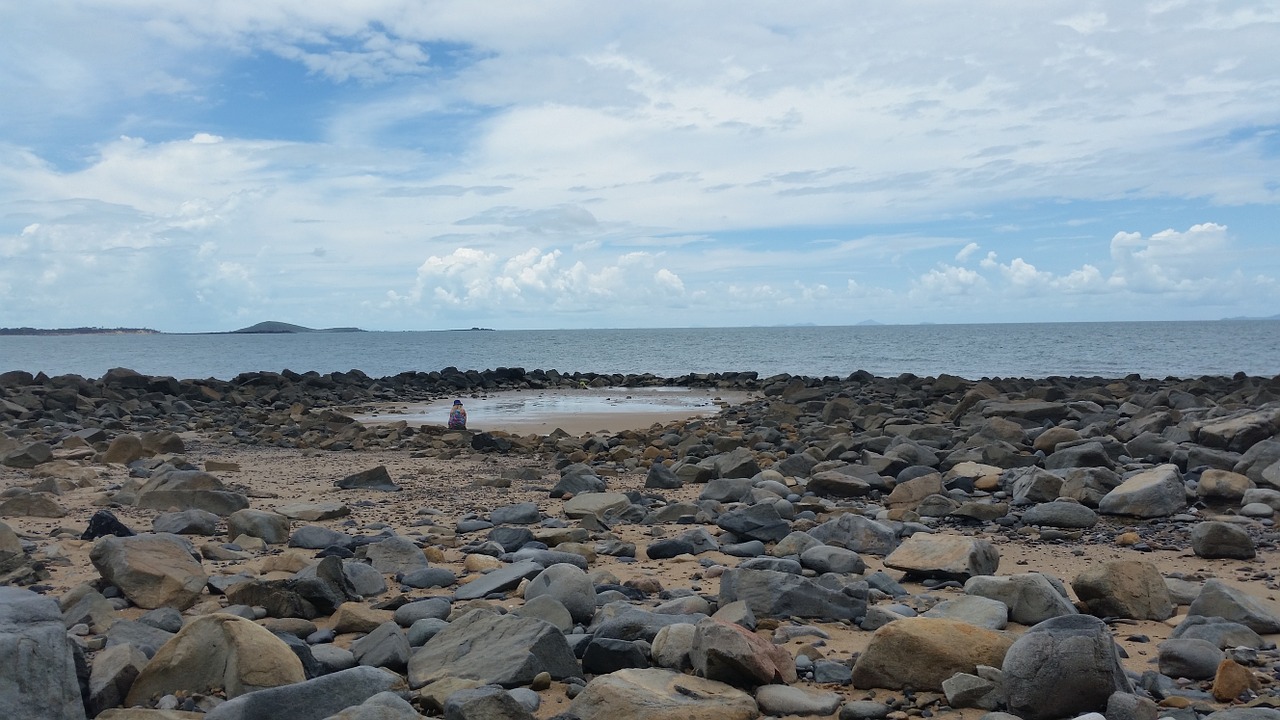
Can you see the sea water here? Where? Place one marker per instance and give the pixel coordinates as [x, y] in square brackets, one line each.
[1151, 349]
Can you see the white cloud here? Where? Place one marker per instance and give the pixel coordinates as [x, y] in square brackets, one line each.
[967, 252]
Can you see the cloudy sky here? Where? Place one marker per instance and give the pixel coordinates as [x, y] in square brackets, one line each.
[413, 164]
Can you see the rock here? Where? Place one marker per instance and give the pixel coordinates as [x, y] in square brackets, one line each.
[1157, 492]
[964, 690]
[525, 513]
[313, 511]
[38, 675]
[151, 570]
[952, 557]
[114, 671]
[1220, 632]
[734, 655]
[1217, 599]
[605, 655]
[856, 533]
[28, 456]
[218, 651]
[1216, 539]
[1126, 589]
[356, 617]
[32, 504]
[1239, 431]
[755, 522]
[484, 703]
[973, 609]
[1031, 597]
[385, 646]
[1231, 680]
[1060, 514]
[832, 483]
[769, 593]
[658, 694]
[170, 489]
[315, 537]
[829, 558]
[784, 700]
[502, 579]
[1189, 658]
[314, 699]
[186, 522]
[272, 528]
[103, 523]
[396, 554]
[123, 450]
[383, 706]
[1062, 667]
[672, 646]
[372, 479]
[500, 649]
[661, 477]
[1223, 485]
[601, 505]
[570, 586]
[632, 623]
[921, 653]
[727, 490]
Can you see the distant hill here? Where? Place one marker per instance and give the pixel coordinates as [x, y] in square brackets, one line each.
[274, 327]
[869, 323]
[1245, 317]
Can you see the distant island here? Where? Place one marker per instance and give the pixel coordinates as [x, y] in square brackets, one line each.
[273, 327]
[1245, 317]
[78, 331]
[870, 323]
[474, 329]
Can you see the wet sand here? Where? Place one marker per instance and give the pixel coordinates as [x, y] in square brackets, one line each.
[573, 411]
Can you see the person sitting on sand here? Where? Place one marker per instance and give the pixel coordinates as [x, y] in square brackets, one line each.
[458, 416]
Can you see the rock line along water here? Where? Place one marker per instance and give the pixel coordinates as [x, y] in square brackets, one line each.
[1152, 349]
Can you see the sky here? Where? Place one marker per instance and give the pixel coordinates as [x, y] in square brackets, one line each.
[424, 164]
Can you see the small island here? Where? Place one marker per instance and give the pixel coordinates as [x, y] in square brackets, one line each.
[273, 327]
[78, 331]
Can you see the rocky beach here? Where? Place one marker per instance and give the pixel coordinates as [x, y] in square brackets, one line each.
[852, 547]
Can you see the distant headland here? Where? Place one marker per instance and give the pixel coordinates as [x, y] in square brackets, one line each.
[78, 331]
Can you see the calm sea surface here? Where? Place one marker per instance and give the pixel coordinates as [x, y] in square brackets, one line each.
[1152, 349]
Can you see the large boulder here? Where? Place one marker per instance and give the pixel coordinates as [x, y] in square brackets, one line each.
[1157, 492]
[1031, 597]
[171, 489]
[218, 651]
[569, 585]
[271, 527]
[152, 570]
[774, 594]
[735, 655]
[953, 557]
[38, 676]
[1131, 589]
[921, 653]
[1063, 667]
[657, 694]
[503, 650]
[314, 699]
[857, 533]
[1217, 539]
[1217, 599]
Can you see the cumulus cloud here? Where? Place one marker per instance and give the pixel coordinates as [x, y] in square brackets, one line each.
[967, 252]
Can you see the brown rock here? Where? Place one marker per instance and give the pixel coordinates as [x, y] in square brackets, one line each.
[922, 652]
[354, 617]
[151, 570]
[735, 655]
[218, 651]
[656, 694]
[1131, 589]
[124, 449]
[1231, 680]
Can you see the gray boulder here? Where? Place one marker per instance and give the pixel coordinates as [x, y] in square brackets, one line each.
[503, 650]
[38, 677]
[769, 593]
[396, 554]
[314, 699]
[1063, 667]
[1217, 599]
[1217, 539]
[271, 527]
[372, 479]
[1060, 514]
[1031, 597]
[1157, 492]
[1131, 589]
[857, 533]
[152, 570]
[569, 585]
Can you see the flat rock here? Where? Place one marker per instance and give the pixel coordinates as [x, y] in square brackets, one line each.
[921, 653]
[314, 699]
[953, 557]
[377, 479]
[659, 694]
[503, 650]
[1157, 492]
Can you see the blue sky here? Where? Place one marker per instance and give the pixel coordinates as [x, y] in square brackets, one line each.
[424, 165]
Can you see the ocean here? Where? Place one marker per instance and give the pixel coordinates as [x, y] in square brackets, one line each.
[1151, 349]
